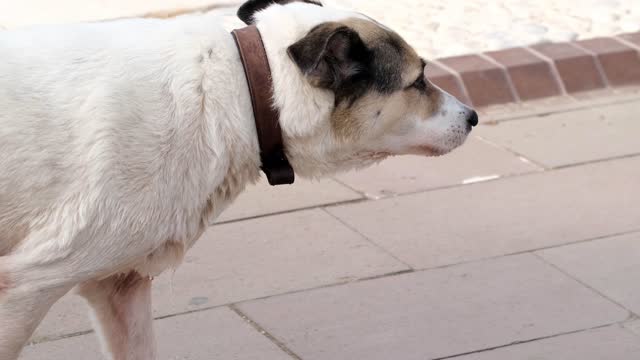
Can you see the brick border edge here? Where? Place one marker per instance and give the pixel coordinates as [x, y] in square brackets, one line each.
[540, 71]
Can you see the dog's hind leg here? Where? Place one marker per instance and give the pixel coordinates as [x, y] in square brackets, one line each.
[121, 307]
[26, 295]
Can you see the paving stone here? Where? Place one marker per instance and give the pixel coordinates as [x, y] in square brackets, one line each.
[500, 217]
[577, 68]
[610, 343]
[217, 334]
[447, 81]
[269, 256]
[248, 260]
[474, 161]
[435, 313]
[620, 63]
[611, 266]
[531, 75]
[571, 137]
[263, 199]
[633, 326]
[486, 83]
[69, 315]
[633, 38]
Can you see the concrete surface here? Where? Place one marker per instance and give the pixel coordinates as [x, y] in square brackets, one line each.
[634, 326]
[186, 337]
[609, 343]
[433, 314]
[476, 161]
[615, 268]
[562, 139]
[515, 214]
[521, 248]
[258, 200]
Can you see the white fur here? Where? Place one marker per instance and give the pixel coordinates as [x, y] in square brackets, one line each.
[443, 131]
[122, 141]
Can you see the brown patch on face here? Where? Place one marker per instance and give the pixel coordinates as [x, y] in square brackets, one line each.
[376, 77]
[349, 121]
[395, 62]
[435, 98]
[377, 113]
[389, 97]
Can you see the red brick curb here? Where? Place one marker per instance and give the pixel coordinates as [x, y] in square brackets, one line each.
[540, 71]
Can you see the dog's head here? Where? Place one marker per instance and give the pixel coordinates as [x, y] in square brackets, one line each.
[351, 91]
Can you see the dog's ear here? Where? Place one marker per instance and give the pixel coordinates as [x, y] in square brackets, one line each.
[331, 55]
[251, 7]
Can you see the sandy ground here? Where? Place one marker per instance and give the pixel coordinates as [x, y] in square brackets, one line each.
[444, 28]
[436, 28]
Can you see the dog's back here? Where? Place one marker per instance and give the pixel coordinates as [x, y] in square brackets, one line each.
[95, 115]
[114, 138]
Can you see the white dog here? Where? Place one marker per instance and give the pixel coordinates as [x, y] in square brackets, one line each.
[120, 142]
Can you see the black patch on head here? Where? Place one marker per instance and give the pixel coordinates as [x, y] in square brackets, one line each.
[251, 7]
[333, 56]
[388, 63]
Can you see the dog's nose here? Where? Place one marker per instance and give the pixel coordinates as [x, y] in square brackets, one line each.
[473, 119]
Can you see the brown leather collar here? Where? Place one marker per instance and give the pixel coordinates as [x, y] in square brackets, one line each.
[256, 68]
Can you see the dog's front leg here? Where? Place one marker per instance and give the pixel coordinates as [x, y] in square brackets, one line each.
[27, 291]
[121, 307]
[21, 310]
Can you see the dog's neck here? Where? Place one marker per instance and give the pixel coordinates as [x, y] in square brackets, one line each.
[304, 109]
[258, 74]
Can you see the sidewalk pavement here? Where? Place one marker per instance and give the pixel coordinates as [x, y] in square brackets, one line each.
[524, 244]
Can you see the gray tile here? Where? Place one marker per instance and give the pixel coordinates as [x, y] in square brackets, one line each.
[434, 313]
[571, 137]
[268, 256]
[263, 199]
[248, 260]
[476, 160]
[73, 348]
[501, 217]
[611, 266]
[69, 315]
[610, 343]
[216, 334]
[633, 326]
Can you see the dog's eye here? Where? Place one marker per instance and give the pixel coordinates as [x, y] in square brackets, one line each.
[420, 83]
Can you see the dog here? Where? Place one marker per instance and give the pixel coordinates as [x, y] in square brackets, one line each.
[122, 141]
